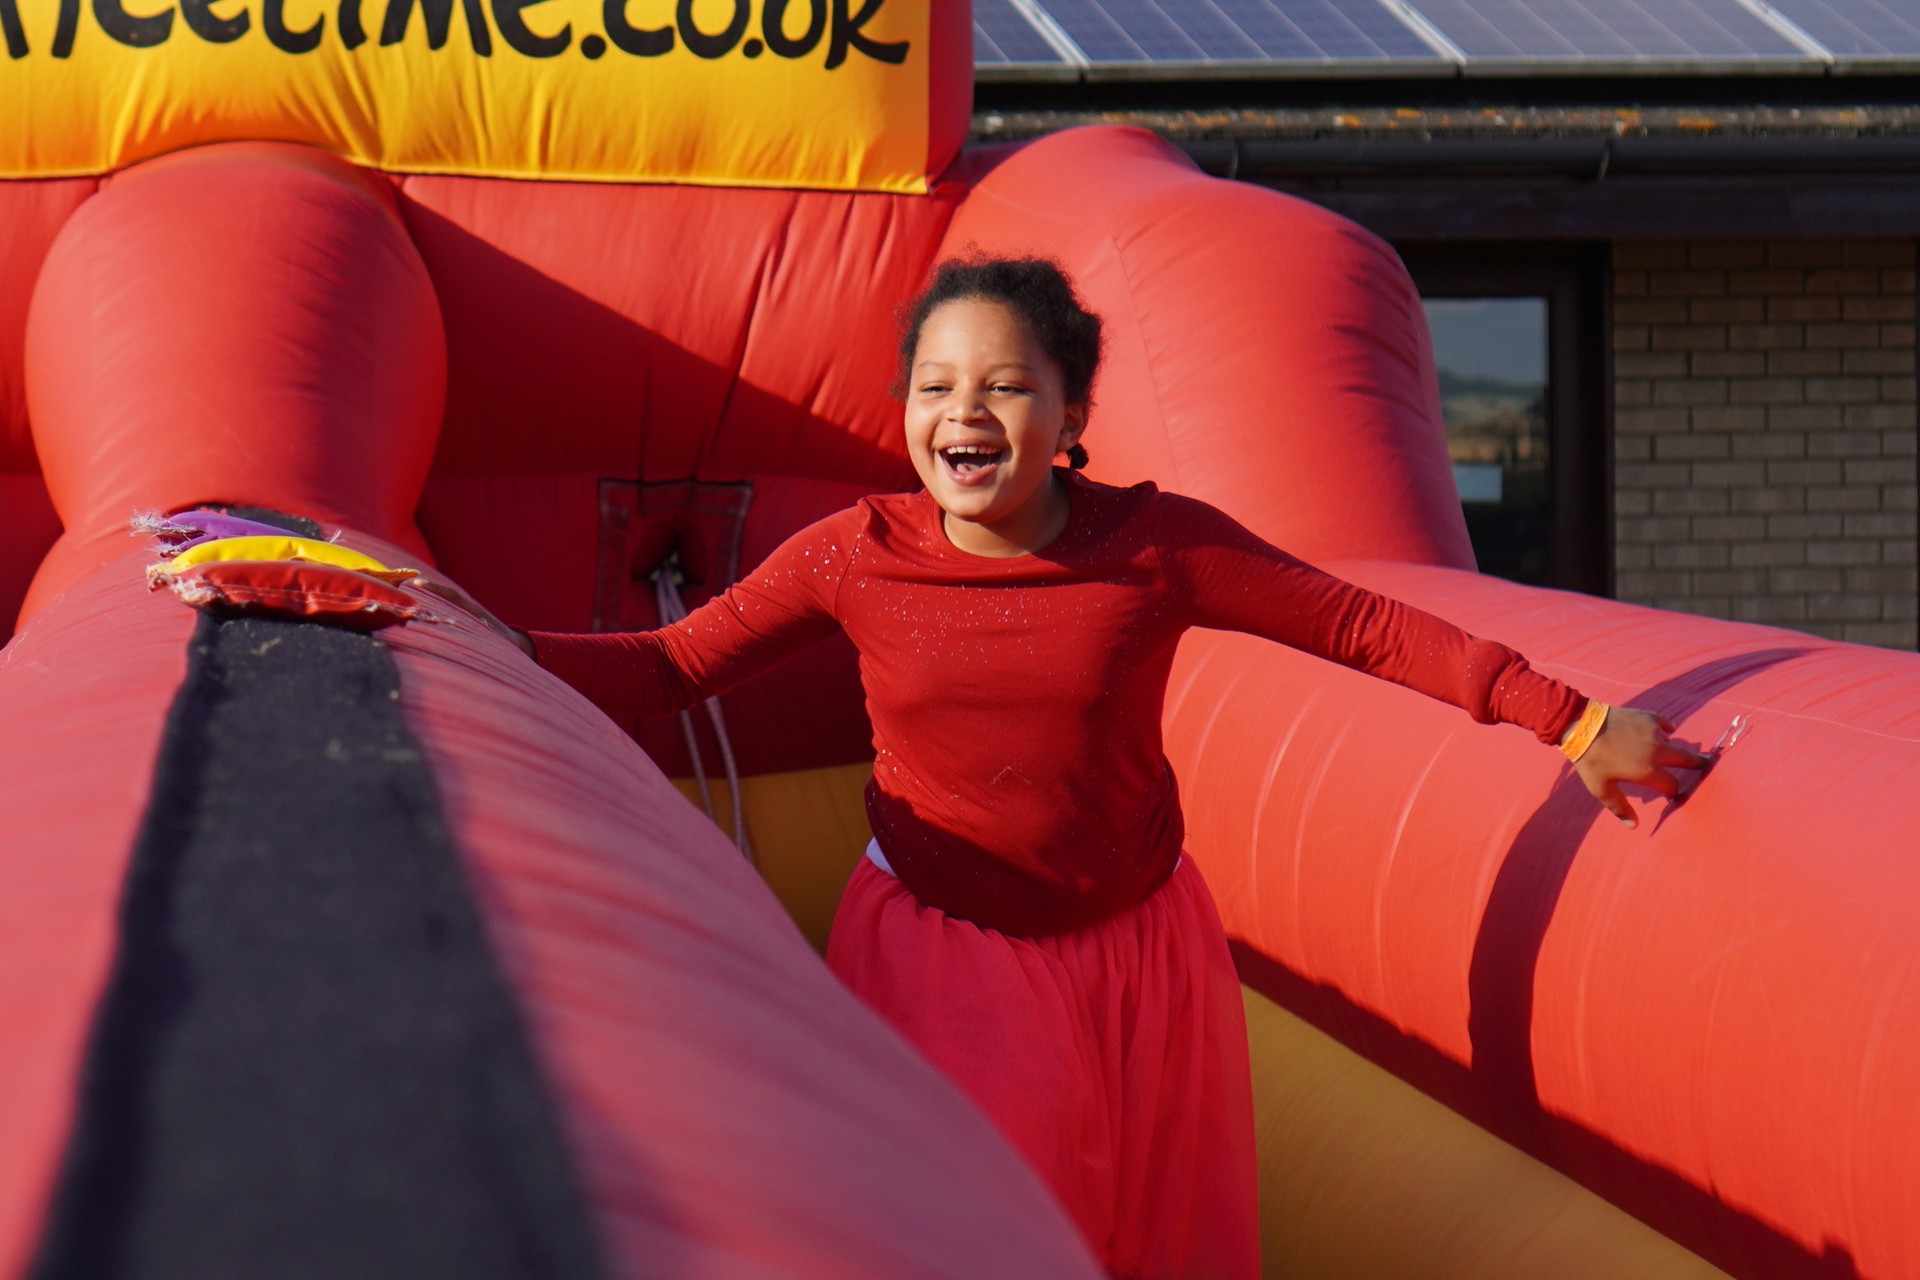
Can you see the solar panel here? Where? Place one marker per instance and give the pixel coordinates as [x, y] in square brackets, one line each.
[1138, 32]
[1857, 28]
[1003, 37]
[1133, 38]
[1237, 31]
[1287, 30]
[1607, 30]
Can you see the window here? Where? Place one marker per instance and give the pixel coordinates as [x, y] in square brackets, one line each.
[1519, 344]
[1491, 355]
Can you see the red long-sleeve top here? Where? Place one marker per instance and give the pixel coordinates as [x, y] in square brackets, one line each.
[1018, 779]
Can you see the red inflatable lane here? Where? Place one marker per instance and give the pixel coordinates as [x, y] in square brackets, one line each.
[1713, 1020]
[732, 1110]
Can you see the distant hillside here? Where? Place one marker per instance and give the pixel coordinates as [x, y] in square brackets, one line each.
[1460, 384]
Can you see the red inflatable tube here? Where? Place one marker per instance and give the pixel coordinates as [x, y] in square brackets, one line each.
[320, 370]
[1294, 388]
[729, 1107]
[1711, 1020]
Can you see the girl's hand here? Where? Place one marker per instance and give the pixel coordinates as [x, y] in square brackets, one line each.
[455, 596]
[1634, 747]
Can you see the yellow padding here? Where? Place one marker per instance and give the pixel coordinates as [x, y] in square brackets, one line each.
[266, 547]
[1363, 1177]
[808, 829]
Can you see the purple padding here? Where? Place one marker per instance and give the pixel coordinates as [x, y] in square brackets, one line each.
[207, 526]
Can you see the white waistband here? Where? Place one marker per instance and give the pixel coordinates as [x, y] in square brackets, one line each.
[879, 859]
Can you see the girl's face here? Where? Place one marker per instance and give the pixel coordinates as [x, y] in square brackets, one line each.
[986, 416]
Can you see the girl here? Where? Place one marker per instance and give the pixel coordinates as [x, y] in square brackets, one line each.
[1024, 914]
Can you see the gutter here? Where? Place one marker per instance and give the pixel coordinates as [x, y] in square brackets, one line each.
[1573, 157]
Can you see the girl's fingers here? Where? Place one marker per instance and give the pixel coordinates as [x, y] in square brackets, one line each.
[1616, 803]
[1685, 757]
[1668, 752]
[1633, 749]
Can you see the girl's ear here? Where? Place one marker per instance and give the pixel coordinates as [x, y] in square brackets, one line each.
[1076, 422]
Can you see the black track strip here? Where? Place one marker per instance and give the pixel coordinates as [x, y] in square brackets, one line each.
[306, 1062]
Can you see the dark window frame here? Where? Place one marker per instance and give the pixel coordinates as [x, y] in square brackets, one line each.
[1574, 279]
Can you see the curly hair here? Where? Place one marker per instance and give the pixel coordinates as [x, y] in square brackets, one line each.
[1036, 290]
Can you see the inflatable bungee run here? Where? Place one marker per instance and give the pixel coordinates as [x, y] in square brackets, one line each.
[336, 939]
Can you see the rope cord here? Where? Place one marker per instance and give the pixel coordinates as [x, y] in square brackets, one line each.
[666, 595]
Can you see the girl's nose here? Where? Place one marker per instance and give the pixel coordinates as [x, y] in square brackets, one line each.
[970, 406]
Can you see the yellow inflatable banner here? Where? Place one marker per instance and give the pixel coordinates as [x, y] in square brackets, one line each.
[773, 93]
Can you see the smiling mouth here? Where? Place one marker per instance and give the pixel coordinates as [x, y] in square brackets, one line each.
[971, 461]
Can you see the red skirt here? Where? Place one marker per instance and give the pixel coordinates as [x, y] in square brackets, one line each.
[1113, 1057]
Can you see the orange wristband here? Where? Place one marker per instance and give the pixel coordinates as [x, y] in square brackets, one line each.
[1585, 730]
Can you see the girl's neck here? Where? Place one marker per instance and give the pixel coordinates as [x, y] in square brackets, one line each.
[1016, 536]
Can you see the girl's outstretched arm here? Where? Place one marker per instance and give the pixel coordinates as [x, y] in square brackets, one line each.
[1236, 581]
[785, 604]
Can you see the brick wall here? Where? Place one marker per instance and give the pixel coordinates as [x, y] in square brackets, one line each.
[1764, 433]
